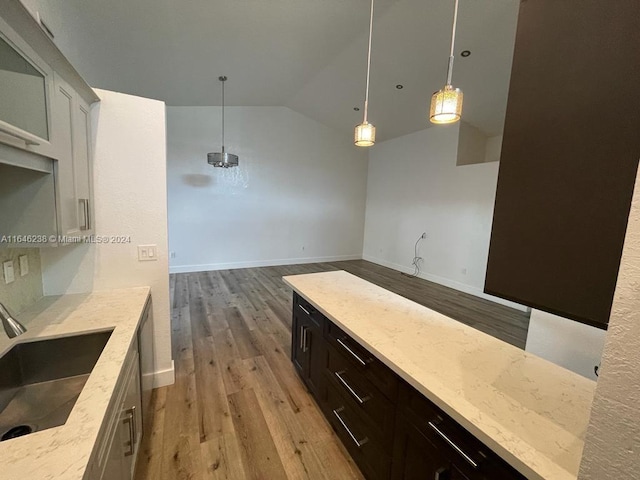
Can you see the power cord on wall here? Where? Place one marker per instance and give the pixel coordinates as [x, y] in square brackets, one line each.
[416, 259]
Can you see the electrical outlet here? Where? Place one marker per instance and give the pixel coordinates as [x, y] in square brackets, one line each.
[147, 253]
[172, 255]
[463, 271]
[9, 276]
[24, 265]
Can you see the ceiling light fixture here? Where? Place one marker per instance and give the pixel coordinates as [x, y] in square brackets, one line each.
[365, 133]
[446, 104]
[222, 159]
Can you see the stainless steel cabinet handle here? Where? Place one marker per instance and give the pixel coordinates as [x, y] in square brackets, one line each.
[303, 338]
[131, 419]
[353, 393]
[88, 213]
[354, 354]
[304, 310]
[85, 212]
[134, 425]
[442, 435]
[305, 346]
[359, 443]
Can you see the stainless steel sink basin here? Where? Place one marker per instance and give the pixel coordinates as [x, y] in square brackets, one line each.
[41, 380]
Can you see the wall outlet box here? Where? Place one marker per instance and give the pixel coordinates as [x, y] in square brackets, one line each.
[147, 253]
[9, 276]
[24, 265]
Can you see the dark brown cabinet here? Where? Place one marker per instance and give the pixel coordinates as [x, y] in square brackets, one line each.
[390, 429]
[569, 157]
[431, 445]
[307, 347]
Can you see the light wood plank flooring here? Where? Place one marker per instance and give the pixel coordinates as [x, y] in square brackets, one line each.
[238, 409]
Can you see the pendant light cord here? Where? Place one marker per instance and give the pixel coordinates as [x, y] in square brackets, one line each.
[366, 95]
[222, 79]
[453, 41]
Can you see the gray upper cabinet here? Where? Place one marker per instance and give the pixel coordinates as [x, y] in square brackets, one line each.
[23, 96]
[45, 125]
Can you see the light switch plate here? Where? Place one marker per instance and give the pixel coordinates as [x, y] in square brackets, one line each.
[9, 276]
[24, 265]
[147, 253]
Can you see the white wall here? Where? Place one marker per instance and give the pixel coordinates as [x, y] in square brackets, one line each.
[612, 443]
[567, 343]
[415, 186]
[130, 199]
[297, 196]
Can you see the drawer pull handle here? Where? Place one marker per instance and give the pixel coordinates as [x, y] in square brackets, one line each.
[303, 338]
[442, 435]
[304, 310]
[353, 393]
[131, 420]
[354, 354]
[84, 202]
[359, 443]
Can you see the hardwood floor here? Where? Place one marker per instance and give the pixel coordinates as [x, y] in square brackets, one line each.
[238, 409]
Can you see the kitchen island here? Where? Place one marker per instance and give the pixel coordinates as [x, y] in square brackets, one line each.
[529, 412]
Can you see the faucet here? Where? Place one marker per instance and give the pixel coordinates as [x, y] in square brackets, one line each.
[12, 327]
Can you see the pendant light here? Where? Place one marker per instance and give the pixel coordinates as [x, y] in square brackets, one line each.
[446, 104]
[222, 159]
[365, 134]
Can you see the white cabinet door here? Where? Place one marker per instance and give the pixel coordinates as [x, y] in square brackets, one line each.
[123, 450]
[82, 163]
[64, 105]
[72, 135]
[131, 433]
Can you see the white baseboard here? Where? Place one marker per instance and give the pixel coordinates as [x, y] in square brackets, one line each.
[447, 283]
[161, 378]
[259, 263]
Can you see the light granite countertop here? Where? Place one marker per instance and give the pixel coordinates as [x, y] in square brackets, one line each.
[532, 413]
[63, 453]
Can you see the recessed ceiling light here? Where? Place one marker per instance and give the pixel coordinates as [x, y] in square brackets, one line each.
[357, 109]
[399, 86]
[465, 53]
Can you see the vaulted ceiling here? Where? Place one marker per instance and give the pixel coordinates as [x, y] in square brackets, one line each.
[309, 55]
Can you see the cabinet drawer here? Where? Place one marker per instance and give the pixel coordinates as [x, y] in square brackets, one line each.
[470, 456]
[356, 435]
[361, 394]
[304, 307]
[365, 363]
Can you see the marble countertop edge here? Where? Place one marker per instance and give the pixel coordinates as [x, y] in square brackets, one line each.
[516, 451]
[65, 452]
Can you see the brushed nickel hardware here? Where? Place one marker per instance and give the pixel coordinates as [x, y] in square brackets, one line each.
[131, 419]
[442, 435]
[305, 347]
[304, 310]
[359, 443]
[85, 209]
[354, 354]
[361, 400]
[302, 328]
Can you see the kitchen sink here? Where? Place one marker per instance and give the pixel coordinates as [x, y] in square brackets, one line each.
[41, 380]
